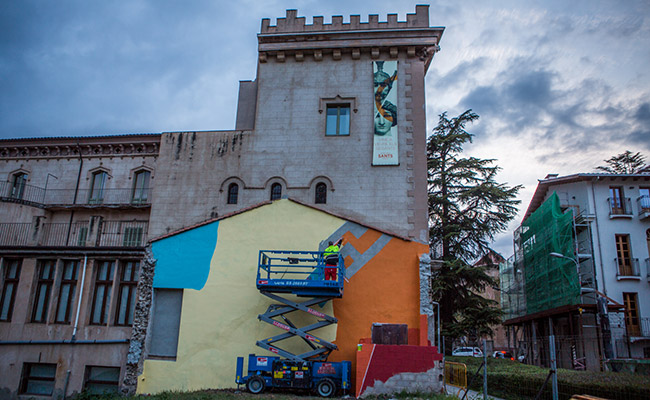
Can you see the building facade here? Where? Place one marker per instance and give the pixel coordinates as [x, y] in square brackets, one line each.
[334, 119]
[581, 270]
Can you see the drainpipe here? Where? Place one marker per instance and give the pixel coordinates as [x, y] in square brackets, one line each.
[76, 191]
[76, 319]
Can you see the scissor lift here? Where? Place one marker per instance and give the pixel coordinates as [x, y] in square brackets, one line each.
[299, 273]
[282, 276]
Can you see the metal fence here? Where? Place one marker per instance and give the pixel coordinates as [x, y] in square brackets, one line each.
[123, 233]
[10, 191]
[15, 234]
[23, 192]
[77, 234]
[509, 380]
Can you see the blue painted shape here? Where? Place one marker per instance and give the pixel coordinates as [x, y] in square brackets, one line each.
[183, 260]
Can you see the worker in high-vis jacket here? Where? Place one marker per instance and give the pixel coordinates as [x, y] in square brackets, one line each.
[331, 255]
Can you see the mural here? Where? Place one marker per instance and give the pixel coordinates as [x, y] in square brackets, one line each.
[218, 320]
[385, 143]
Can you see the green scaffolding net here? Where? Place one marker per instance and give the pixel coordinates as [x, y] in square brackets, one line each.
[549, 282]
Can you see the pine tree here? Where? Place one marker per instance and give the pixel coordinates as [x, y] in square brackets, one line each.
[467, 207]
[624, 163]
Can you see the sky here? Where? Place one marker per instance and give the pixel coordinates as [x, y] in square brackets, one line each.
[559, 86]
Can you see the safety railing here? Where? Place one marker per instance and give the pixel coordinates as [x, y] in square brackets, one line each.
[627, 268]
[456, 376]
[619, 207]
[25, 193]
[75, 234]
[290, 270]
[643, 203]
[123, 233]
[15, 234]
[21, 192]
[97, 197]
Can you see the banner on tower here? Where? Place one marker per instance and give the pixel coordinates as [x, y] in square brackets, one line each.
[385, 150]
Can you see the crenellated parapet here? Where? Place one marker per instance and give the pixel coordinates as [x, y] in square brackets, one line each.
[292, 38]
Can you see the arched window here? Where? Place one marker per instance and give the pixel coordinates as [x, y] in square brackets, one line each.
[18, 185]
[141, 187]
[321, 193]
[233, 192]
[97, 188]
[276, 191]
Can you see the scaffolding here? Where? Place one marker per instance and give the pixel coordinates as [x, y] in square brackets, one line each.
[548, 286]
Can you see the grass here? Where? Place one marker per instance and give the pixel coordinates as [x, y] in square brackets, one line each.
[513, 380]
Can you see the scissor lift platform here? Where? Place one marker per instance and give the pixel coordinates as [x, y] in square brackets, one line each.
[301, 273]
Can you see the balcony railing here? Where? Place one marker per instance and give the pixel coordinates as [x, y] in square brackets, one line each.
[619, 207]
[10, 191]
[94, 233]
[627, 268]
[645, 327]
[54, 197]
[643, 202]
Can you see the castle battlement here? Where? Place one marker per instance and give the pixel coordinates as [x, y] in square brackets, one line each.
[292, 37]
[294, 24]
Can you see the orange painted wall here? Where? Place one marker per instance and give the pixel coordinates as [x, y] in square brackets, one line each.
[385, 290]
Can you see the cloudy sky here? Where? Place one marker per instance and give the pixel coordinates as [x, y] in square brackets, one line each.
[559, 85]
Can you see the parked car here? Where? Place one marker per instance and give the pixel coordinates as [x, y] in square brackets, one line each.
[503, 354]
[467, 352]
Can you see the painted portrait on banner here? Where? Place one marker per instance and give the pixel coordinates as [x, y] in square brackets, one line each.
[385, 151]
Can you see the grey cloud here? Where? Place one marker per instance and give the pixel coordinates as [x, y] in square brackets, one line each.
[642, 113]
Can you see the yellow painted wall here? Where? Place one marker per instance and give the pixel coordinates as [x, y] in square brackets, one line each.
[219, 322]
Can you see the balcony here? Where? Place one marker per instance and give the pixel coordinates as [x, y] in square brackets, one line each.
[94, 233]
[52, 198]
[641, 330]
[647, 268]
[643, 202]
[627, 268]
[620, 207]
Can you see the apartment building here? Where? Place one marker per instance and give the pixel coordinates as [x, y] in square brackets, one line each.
[581, 269]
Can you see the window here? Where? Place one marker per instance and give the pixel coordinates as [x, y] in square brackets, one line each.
[18, 185]
[132, 236]
[101, 379]
[630, 301]
[617, 201]
[43, 289]
[129, 271]
[165, 322]
[623, 255]
[276, 191]
[67, 291]
[233, 192]
[338, 120]
[11, 275]
[83, 236]
[321, 193]
[141, 187]
[38, 379]
[102, 293]
[97, 188]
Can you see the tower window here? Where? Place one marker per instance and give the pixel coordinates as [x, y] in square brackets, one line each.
[321, 193]
[276, 191]
[233, 193]
[338, 120]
